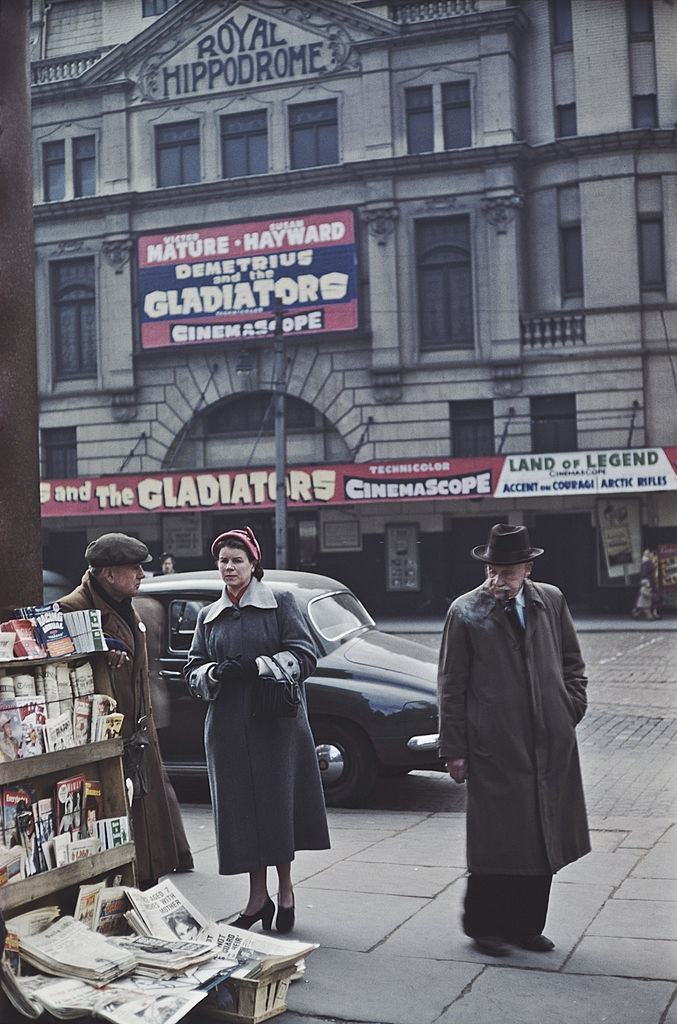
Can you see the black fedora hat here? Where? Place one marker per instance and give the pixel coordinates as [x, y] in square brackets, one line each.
[507, 545]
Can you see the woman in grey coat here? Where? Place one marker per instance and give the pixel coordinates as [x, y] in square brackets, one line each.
[263, 773]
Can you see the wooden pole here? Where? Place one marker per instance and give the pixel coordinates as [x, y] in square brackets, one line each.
[20, 545]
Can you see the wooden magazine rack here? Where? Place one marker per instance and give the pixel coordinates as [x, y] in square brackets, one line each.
[102, 760]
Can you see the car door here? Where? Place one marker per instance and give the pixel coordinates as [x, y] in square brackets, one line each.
[182, 735]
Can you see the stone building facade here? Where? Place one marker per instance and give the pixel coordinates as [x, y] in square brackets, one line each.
[504, 281]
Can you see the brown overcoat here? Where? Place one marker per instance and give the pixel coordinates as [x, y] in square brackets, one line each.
[156, 853]
[511, 710]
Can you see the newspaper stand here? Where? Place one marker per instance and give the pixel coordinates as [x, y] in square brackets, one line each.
[60, 885]
[249, 1000]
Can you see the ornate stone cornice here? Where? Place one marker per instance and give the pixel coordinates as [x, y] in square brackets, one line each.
[501, 210]
[506, 379]
[381, 221]
[117, 252]
[386, 386]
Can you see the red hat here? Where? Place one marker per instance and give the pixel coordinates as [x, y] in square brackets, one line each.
[245, 537]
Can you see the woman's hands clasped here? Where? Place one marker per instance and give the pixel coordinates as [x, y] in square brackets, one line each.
[236, 670]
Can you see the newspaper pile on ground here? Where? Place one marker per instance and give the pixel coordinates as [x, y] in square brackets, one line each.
[69, 949]
[164, 912]
[172, 962]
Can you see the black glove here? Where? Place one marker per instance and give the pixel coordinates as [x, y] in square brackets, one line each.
[236, 669]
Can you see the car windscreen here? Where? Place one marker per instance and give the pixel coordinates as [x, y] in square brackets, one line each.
[335, 616]
[182, 622]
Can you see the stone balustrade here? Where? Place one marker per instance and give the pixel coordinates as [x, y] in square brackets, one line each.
[553, 330]
[412, 13]
[61, 69]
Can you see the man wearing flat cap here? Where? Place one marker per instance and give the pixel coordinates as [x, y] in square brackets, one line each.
[112, 579]
[512, 688]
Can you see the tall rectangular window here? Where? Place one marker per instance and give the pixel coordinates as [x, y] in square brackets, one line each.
[562, 22]
[177, 153]
[644, 111]
[244, 144]
[472, 428]
[59, 453]
[74, 318]
[151, 8]
[419, 114]
[84, 166]
[565, 115]
[456, 115]
[54, 170]
[313, 134]
[571, 255]
[444, 273]
[640, 19]
[553, 424]
[651, 253]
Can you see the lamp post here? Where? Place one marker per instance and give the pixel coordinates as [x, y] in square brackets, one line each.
[280, 388]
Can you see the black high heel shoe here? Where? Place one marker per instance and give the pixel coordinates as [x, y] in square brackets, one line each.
[264, 915]
[286, 917]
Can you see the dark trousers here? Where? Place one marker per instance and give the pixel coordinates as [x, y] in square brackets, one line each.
[510, 906]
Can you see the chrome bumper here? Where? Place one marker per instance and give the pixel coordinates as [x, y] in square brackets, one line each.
[420, 744]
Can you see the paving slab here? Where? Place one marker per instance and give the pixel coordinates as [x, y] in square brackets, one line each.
[604, 841]
[395, 821]
[608, 869]
[436, 932]
[660, 889]
[346, 920]
[400, 990]
[641, 833]
[638, 919]
[396, 879]
[629, 958]
[505, 996]
[432, 850]
[658, 863]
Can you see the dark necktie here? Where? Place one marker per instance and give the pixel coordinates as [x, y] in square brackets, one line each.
[513, 617]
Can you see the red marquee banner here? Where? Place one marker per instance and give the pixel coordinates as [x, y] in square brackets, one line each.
[627, 471]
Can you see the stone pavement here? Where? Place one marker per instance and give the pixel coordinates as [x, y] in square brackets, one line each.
[385, 901]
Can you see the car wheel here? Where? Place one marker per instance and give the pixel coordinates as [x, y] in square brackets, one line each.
[347, 762]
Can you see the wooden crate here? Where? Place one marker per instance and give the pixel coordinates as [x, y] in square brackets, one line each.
[247, 1000]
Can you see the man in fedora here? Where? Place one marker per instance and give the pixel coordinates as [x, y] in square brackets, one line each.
[115, 571]
[512, 688]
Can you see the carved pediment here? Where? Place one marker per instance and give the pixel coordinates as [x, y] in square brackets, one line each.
[205, 48]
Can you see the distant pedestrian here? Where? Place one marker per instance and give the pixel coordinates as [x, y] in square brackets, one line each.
[647, 603]
[512, 688]
[167, 564]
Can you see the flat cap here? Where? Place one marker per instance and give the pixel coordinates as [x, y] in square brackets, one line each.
[117, 549]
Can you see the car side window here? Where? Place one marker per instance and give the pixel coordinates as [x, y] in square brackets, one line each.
[182, 622]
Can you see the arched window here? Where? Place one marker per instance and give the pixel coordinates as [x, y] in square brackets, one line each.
[444, 283]
[240, 431]
[74, 318]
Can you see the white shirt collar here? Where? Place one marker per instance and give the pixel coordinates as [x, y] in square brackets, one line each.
[520, 597]
[257, 595]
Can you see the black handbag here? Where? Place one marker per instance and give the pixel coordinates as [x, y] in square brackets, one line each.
[275, 697]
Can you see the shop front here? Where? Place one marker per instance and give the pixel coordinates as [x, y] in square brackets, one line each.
[398, 532]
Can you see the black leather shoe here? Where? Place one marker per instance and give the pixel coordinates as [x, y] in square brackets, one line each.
[264, 915]
[536, 943]
[491, 944]
[286, 916]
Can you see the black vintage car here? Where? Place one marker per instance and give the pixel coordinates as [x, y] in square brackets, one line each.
[372, 699]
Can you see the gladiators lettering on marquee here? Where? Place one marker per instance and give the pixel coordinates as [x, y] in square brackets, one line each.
[244, 51]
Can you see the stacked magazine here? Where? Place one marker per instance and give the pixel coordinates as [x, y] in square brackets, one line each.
[69, 949]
